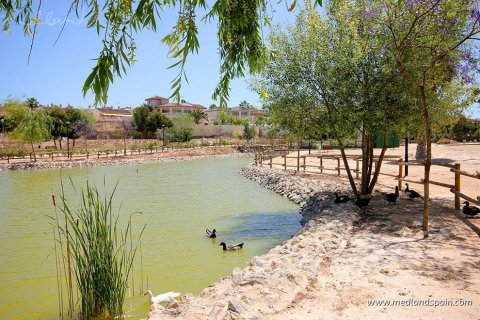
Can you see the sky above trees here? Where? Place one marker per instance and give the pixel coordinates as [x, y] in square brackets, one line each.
[56, 73]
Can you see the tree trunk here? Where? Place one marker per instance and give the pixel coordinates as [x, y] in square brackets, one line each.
[379, 165]
[34, 154]
[60, 142]
[347, 167]
[365, 163]
[428, 161]
[421, 152]
[55, 142]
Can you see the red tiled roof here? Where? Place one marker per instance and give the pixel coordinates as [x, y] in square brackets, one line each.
[156, 98]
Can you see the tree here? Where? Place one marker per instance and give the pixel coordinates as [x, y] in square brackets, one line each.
[431, 42]
[140, 119]
[213, 106]
[329, 75]
[248, 132]
[58, 124]
[15, 112]
[84, 126]
[32, 103]
[127, 130]
[147, 122]
[198, 115]
[34, 128]
[156, 121]
[245, 104]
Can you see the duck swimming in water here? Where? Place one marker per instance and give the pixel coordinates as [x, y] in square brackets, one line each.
[470, 211]
[231, 248]
[211, 234]
[164, 297]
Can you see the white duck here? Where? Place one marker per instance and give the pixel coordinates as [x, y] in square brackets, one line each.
[164, 297]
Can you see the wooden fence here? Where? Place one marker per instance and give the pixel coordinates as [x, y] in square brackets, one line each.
[324, 160]
[52, 155]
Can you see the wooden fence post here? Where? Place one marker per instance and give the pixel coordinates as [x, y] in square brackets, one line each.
[270, 161]
[285, 162]
[400, 173]
[321, 164]
[98, 155]
[357, 171]
[338, 166]
[88, 154]
[304, 163]
[457, 186]
[52, 155]
[8, 158]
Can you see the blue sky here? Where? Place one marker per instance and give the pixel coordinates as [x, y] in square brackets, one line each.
[56, 74]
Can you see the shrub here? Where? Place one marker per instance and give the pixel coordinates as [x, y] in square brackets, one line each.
[102, 254]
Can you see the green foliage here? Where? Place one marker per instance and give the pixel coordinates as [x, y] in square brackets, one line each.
[32, 103]
[181, 131]
[147, 122]
[15, 112]
[248, 132]
[103, 252]
[198, 115]
[118, 22]
[34, 128]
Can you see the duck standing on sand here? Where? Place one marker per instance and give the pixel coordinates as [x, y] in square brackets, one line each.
[164, 297]
[363, 201]
[341, 199]
[412, 194]
[231, 248]
[470, 211]
[391, 197]
[211, 234]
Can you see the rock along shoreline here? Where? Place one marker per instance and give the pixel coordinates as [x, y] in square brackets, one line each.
[274, 282]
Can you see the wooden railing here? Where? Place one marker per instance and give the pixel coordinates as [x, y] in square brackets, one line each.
[302, 165]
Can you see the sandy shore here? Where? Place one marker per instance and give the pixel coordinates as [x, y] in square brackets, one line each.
[340, 263]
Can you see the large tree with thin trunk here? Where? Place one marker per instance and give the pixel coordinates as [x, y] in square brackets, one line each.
[433, 44]
[335, 64]
[34, 128]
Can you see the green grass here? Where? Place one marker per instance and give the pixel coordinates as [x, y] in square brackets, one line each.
[102, 254]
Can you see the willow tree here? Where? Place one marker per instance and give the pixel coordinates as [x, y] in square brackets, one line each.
[118, 22]
[433, 45]
[335, 64]
[33, 128]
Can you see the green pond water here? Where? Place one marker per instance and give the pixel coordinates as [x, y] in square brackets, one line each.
[177, 201]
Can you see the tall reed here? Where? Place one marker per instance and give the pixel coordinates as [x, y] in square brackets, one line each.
[102, 252]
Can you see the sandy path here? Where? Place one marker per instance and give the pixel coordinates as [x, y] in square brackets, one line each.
[385, 260]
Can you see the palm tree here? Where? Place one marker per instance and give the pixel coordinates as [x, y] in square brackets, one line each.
[32, 103]
[198, 115]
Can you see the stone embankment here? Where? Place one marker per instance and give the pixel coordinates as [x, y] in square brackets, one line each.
[95, 163]
[280, 279]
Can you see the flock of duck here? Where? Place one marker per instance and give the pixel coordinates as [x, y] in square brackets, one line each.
[213, 234]
[363, 201]
[170, 296]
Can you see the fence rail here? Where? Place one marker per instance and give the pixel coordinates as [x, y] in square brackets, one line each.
[302, 165]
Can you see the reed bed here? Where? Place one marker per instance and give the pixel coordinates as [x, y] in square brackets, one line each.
[92, 245]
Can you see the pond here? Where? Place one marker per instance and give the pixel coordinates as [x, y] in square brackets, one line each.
[177, 201]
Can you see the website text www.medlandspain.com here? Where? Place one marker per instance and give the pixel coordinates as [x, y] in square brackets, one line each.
[421, 303]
